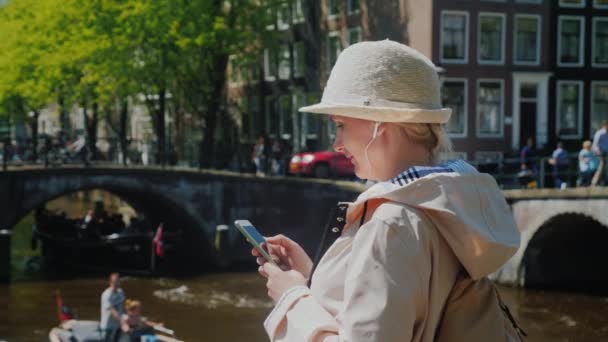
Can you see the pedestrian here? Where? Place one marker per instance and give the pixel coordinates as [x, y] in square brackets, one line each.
[409, 259]
[588, 164]
[559, 164]
[112, 308]
[600, 147]
[259, 156]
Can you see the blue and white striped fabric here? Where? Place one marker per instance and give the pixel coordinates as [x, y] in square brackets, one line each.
[416, 172]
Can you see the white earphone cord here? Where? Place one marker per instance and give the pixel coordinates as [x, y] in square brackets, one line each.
[374, 135]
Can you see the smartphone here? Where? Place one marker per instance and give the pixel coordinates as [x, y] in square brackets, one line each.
[254, 237]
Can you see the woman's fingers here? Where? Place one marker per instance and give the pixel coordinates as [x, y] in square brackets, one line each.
[262, 272]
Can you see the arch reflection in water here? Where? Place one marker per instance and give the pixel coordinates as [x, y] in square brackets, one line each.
[98, 231]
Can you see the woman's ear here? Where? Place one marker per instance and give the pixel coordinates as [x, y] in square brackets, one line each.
[379, 129]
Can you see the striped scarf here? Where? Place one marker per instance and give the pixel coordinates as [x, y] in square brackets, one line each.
[416, 172]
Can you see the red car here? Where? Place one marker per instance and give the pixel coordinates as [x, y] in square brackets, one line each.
[321, 164]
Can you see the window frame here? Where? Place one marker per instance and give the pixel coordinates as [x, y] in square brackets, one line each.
[581, 37]
[538, 38]
[502, 108]
[581, 5]
[592, 104]
[296, 60]
[503, 16]
[284, 48]
[464, 60]
[283, 23]
[593, 43]
[349, 10]
[598, 6]
[558, 107]
[296, 18]
[465, 105]
[267, 76]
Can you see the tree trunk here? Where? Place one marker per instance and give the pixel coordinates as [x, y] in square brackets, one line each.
[214, 103]
[160, 128]
[93, 132]
[63, 121]
[122, 133]
[35, 135]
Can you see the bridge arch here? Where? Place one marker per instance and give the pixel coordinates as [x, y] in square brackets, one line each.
[563, 254]
[158, 204]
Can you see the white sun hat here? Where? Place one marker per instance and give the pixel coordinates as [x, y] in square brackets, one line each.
[383, 81]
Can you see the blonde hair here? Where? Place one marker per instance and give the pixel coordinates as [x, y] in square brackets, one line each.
[587, 143]
[131, 304]
[431, 136]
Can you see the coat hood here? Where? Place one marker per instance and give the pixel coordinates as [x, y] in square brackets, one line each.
[466, 206]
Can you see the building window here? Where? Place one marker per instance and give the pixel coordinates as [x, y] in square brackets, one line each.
[489, 108]
[286, 115]
[283, 16]
[270, 65]
[333, 8]
[354, 35]
[601, 4]
[454, 37]
[600, 42]
[454, 96]
[572, 3]
[298, 12]
[272, 116]
[310, 122]
[333, 49]
[299, 59]
[599, 104]
[253, 108]
[270, 17]
[571, 31]
[569, 108]
[527, 39]
[491, 38]
[352, 6]
[284, 62]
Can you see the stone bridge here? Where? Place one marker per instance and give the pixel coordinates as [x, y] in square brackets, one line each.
[564, 232]
[195, 201]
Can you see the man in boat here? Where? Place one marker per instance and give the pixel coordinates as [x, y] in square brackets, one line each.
[112, 308]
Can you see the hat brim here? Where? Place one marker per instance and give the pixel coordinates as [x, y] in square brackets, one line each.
[382, 114]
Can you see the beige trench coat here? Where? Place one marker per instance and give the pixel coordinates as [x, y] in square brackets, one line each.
[414, 271]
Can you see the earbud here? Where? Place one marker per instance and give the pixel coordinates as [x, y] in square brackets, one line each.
[375, 134]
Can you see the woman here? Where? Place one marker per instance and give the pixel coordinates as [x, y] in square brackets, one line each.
[413, 251]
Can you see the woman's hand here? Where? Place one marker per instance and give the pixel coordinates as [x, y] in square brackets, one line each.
[287, 254]
[279, 281]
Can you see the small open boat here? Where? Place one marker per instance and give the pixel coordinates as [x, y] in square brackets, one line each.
[75, 330]
[88, 331]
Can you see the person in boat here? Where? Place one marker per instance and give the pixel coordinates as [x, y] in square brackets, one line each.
[133, 325]
[409, 259]
[112, 308]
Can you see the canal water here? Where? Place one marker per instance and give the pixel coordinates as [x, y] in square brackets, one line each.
[231, 306]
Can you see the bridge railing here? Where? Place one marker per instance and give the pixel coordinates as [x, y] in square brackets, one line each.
[542, 174]
[507, 171]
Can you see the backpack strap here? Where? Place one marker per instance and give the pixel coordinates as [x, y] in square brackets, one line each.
[507, 312]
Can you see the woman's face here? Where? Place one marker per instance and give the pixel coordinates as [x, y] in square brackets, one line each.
[352, 137]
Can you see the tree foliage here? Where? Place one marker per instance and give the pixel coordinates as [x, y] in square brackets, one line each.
[97, 53]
